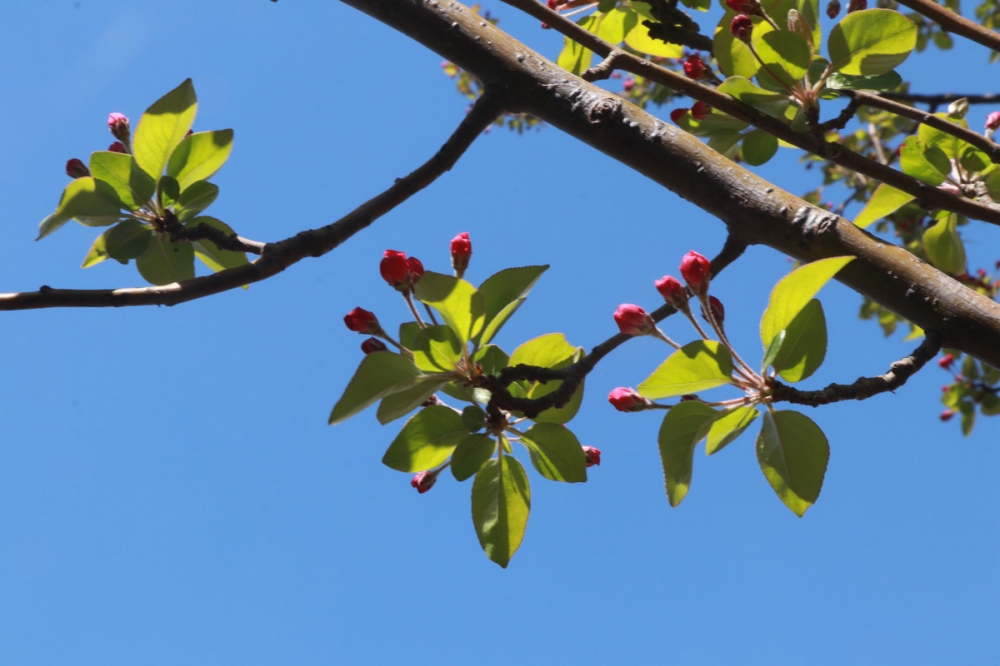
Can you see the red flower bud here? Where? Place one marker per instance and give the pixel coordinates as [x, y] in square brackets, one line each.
[856, 5]
[593, 455]
[833, 8]
[362, 321]
[694, 67]
[741, 27]
[946, 361]
[718, 312]
[416, 269]
[625, 399]
[552, 4]
[992, 123]
[946, 415]
[633, 320]
[461, 250]
[749, 7]
[673, 291]
[118, 124]
[423, 481]
[372, 345]
[677, 114]
[697, 272]
[76, 169]
[700, 110]
[117, 147]
[628, 84]
[394, 268]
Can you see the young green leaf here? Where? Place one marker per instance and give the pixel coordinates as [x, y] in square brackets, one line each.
[126, 240]
[380, 374]
[437, 349]
[884, 201]
[638, 38]
[195, 198]
[785, 54]
[772, 103]
[556, 452]
[84, 197]
[501, 500]
[733, 56]
[678, 436]
[574, 57]
[697, 366]
[491, 359]
[165, 262]
[615, 24]
[199, 156]
[871, 42]
[772, 350]
[949, 144]
[878, 83]
[503, 293]
[426, 440]
[804, 346]
[550, 351]
[209, 253]
[471, 454]
[809, 11]
[474, 418]
[162, 128]
[759, 147]
[119, 170]
[728, 427]
[458, 302]
[400, 404]
[794, 291]
[793, 453]
[914, 162]
[944, 246]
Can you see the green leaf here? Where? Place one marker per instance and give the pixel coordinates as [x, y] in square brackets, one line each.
[474, 418]
[879, 83]
[793, 453]
[380, 374]
[804, 347]
[501, 500]
[733, 56]
[949, 144]
[871, 42]
[503, 293]
[408, 333]
[885, 201]
[614, 25]
[86, 197]
[809, 10]
[638, 38]
[771, 103]
[550, 351]
[126, 240]
[165, 262]
[728, 427]
[437, 349]
[725, 142]
[944, 246]
[199, 156]
[196, 198]
[913, 162]
[793, 292]
[162, 128]
[556, 452]
[400, 404]
[759, 147]
[574, 57]
[678, 436]
[697, 366]
[133, 185]
[785, 53]
[491, 359]
[990, 405]
[471, 454]
[772, 350]
[461, 306]
[168, 191]
[209, 253]
[426, 440]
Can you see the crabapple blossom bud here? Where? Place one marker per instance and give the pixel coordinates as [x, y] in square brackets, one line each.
[626, 399]
[749, 7]
[423, 481]
[992, 123]
[718, 311]
[700, 110]
[75, 168]
[677, 114]
[394, 267]
[593, 455]
[552, 4]
[416, 269]
[741, 27]
[362, 321]
[946, 361]
[946, 415]
[633, 320]
[117, 147]
[431, 401]
[461, 250]
[118, 124]
[959, 108]
[697, 272]
[833, 8]
[628, 84]
[857, 5]
[673, 291]
[694, 67]
[372, 345]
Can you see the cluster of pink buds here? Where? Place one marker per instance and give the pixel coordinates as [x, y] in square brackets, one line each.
[118, 125]
[399, 271]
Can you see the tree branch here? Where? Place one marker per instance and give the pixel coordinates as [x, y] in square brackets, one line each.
[954, 23]
[864, 387]
[943, 98]
[276, 257]
[221, 239]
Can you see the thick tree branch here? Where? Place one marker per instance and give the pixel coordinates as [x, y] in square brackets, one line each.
[954, 23]
[751, 207]
[276, 257]
[864, 387]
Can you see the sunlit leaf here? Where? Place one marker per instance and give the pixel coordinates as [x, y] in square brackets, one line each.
[426, 440]
[162, 128]
[380, 374]
[556, 452]
[678, 436]
[697, 366]
[793, 453]
[871, 42]
[794, 291]
[501, 500]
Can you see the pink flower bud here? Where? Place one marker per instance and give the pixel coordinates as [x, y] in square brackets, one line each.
[694, 67]
[552, 4]
[700, 110]
[992, 123]
[593, 455]
[946, 415]
[673, 291]
[633, 320]
[718, 312]
[833, 8]
[372, 345]
[677, 114]
[395, 269]
[461, 250]
[117, 147]
[749, 7]
[416, 269]
[946, 361]
[857, 5]
[628, 84]
[741, 27]
[362, 321]
[697, 272]
[625, 399]
[423, 481]
[76, 169]
[118, 124]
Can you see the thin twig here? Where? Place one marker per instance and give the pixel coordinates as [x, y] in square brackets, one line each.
[221, 239]
[864, 387]
[942, 98]
[955, 23]
[276, 257]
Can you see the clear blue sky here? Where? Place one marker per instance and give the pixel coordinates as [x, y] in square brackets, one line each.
[170, 492]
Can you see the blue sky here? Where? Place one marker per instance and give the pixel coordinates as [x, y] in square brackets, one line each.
[170, 492]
